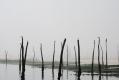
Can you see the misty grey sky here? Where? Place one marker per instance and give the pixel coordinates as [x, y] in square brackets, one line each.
[43, 21]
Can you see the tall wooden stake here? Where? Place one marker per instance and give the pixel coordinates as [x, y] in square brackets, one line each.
[61, 57]
[79, 64]
[93, 60]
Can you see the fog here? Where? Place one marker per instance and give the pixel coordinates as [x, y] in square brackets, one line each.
[43, 21]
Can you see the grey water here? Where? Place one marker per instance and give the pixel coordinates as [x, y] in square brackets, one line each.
[11, 72]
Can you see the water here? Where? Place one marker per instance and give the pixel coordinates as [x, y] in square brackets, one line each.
[11, 72]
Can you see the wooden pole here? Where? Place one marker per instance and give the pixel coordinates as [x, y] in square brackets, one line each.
[61, 57]
[92, 69]
[75, 57]
[79, 64]
[99, 66]
[53, 57]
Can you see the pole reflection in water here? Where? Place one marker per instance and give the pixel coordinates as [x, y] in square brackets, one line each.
[79, 78]
[67, 74]
[62, 75]
[106, 76]
[99, 77]
[92, 77]
[42, 74]
[23, 76]
[53, 74]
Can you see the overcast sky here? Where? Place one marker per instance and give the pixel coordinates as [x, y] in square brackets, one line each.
[43, 21]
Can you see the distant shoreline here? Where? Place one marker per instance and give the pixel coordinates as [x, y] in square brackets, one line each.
[112, 71]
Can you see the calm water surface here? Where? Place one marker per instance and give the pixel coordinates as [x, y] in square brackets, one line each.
[11, 72]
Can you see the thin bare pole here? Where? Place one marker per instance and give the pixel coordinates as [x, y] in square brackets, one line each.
[53, 57]
[22, 46]
[92, 69]
[106, 55]
[75, 57]
[26, 52]
[20, 60]
[62, 61]
[24, 55]
[106, 61]
[42, 61]
[53, 61]
[102, 57]
[61, 57]
[79, 64]
[99, 66]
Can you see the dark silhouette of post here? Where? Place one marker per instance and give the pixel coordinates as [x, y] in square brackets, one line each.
[53, 61]
[20, 58]
[22, 75]
[61, 57]
[102, 57]
[99, 77]
[75, 57]
[42, 61]
[106, 55]
[53, 57]
[62, 62]
[24, 55]
[79, 64]
[92, 69]
[99, 65]
[23, 70]
[106, 61]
